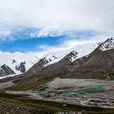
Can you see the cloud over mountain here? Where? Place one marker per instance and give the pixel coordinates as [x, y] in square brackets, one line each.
[61, 15]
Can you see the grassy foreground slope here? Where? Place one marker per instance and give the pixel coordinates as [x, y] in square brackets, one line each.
[17, 104]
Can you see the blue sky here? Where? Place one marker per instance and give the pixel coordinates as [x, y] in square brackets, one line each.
[29, 44]
[34, 25]
[22, 42]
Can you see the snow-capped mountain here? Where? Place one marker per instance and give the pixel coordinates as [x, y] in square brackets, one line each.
[83, 61]
[72, 54]
[77, 52]
[61, 58]
[107, 45]
[86, 60]
[17, 62]
[81, 50]
[20, 63]
[5, 70]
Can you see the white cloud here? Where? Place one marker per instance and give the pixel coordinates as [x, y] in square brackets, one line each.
[61, 15]
[47, 31]
[69, 44]
[57, 17]
[5, 33]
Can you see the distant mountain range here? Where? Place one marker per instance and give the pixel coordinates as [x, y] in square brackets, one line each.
[61, 58]
[88, 60]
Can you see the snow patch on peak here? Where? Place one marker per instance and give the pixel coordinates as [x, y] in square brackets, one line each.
[83, 50]
[107, 45]
[71, 56]
[54, 58]
[50, 59]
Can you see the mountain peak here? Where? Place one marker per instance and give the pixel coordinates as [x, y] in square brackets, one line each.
[107, 45]
[72, 56]
[6, 70]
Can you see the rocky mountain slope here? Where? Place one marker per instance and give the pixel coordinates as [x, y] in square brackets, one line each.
[17, 63]
[99, 60]
[83, 61]
[98, 64]
[5, 70]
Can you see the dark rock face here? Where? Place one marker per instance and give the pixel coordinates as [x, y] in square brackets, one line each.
[13, 61]
[71, 56]
[107, 45]
[42, 62]
[5, 70]
[21, 67]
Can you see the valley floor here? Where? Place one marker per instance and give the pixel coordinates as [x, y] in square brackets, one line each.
[62, 95]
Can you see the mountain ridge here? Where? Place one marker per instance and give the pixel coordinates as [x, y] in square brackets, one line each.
[98, 64]
[73, 61]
